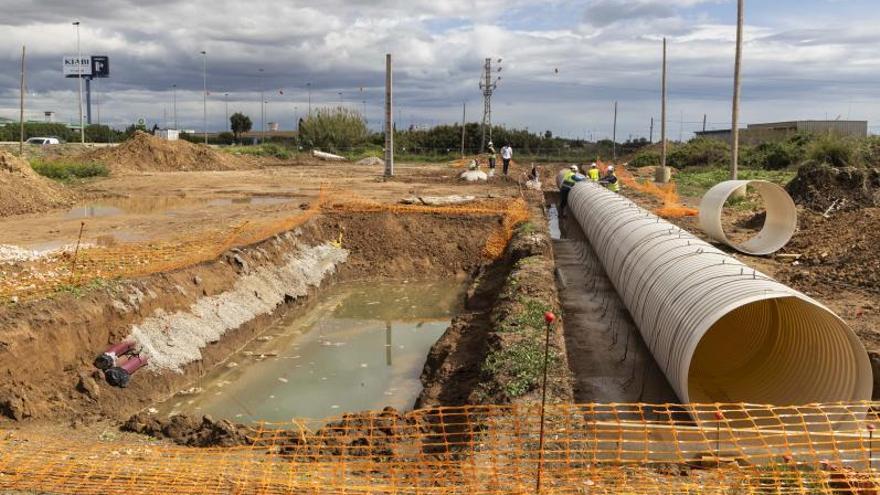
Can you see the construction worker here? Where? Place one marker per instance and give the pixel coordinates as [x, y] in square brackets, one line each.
[491, 159]
[571, 177]
[594, 172]
[610, 180]
[506, 156]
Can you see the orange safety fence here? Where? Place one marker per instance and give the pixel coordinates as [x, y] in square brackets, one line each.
[666, 193]
[590, 448]
[33, 280]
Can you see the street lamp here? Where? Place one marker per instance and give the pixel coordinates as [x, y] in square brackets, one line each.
[226, 102]
[205, 94]
[82, 129]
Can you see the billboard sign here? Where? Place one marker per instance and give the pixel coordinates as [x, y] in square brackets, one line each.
[77, 66]
[87, 66]
[100, 66]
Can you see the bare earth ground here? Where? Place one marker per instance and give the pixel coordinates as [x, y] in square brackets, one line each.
[163, 205]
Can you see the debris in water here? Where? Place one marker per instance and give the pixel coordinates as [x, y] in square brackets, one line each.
[282, 379]
[231, 364]
[363, 365]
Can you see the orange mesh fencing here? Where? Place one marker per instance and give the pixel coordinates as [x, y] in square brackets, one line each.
[666, 193]
[591, 448]
[33, 280]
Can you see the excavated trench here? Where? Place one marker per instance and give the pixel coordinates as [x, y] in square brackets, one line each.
[198, 324]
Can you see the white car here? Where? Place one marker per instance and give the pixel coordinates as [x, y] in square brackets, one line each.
[43, 141]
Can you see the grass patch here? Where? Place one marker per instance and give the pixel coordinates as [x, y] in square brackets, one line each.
[265, 149]
[519, 366]
[694, 182]
[66, 170]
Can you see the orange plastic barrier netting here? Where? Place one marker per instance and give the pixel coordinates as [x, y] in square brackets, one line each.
[127, 260]
[594, 448]
[667, 193]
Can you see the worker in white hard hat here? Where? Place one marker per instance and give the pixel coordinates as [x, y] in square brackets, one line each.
[610, 180]
[571, 177]
[491, 159]
[594, 172]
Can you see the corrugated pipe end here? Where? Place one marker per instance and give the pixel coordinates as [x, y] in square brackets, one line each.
[783, 351]
[779, 225]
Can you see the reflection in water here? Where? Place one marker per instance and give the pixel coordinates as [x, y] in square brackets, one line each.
[361, 346]
[553, 218]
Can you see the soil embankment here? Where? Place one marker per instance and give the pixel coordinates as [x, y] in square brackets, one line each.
[23, 191]
[494, 353]
[146, 153]
[47, 346]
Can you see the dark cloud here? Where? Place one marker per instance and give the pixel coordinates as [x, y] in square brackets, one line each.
[605, 12]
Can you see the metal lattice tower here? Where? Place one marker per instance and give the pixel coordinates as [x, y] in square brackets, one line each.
[488, 85]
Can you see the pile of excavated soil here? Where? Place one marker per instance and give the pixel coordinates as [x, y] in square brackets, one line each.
[23, 191]
[820, 186]
[841, 249]
[147, 153]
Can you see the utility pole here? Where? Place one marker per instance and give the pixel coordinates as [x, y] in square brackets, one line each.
[389, 119]
[704, 122]
[21, 109]
[205, 94]
[488, 85]
[734, 147]
[262, 108]
[463, 116]
[681, 127]
[651, 134]
[226, 104]
[614, 136]
[174, 105]
[663, 174]
[82, 129]
[309, 89]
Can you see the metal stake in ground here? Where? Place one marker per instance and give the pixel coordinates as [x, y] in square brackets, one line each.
[549, 318]
[82, 227]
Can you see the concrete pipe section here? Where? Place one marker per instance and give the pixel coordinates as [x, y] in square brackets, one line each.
[720, 331]
[779, 225]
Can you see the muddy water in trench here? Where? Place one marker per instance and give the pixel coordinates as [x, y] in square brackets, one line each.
[361, 346]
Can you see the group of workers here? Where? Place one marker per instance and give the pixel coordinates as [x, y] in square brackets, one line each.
[573, 175]
[506, 157]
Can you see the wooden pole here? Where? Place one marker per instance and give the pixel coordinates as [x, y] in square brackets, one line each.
[463, 116]
[662, 176]
[651, 134]
[389, 120]
[21, 109]
[614, 136]
[737, 85]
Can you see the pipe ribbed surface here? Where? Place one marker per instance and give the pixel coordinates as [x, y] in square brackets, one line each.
[779, 225]
[720, 331]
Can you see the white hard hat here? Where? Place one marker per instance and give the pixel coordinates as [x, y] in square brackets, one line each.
[574, 167]
[611, 168]
[593, 165]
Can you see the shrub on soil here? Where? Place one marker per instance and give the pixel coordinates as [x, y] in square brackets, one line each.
[333, 129]
[834, 150]
[818, 186]
[66, 170]
[520, 365]
[700, 152]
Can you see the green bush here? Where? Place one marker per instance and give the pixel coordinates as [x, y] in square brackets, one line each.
[833, 150]
[333, 129]
[700, 152]
[265, 149]
[869, 151]
[646, 158]
[64, 170]
[773, 156]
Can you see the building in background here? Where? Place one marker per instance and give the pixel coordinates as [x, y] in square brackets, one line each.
[779, 131]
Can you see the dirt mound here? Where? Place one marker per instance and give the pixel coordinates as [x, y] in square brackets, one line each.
[146, 153]
[23, 191]
[820, 186]
[841, 249]
[190, 431]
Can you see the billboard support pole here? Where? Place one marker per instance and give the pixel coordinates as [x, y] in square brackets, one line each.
[88, 100]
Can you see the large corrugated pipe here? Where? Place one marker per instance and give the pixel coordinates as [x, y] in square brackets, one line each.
[779, 224]
[721, 331]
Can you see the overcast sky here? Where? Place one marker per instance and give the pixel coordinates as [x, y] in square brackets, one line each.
[804, 59]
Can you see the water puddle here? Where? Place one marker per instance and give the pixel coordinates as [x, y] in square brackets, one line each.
[553, 218]
[108, 207]
[362, 346]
